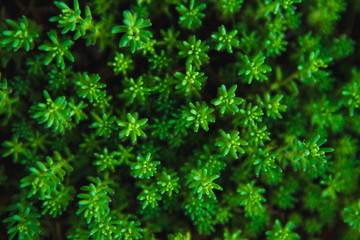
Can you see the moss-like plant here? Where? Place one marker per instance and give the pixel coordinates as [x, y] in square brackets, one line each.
[179, 119]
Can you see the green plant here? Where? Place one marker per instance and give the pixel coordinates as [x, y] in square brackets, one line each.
[191, 17]
[254, 68]
[179, 119]
[89, 86]
[230, 143]
[280, 232]
[57, 50]
[190, 82]
[94, 203]
[194, 51]
[226, 101]
[122, 63]
[134, 35]
[225, 40]
[144, 167]
[71, 20]
[198, 115]
[132, 127]
[202, 182]
[23, 222]
[23, 34]
[251, 198]
[53, 113]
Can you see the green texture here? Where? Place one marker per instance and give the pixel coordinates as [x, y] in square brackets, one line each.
[180, 119]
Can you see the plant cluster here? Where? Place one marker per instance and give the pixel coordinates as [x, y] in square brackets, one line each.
[179, 119]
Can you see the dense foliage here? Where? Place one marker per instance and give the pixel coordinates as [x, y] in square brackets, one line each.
[180, 119]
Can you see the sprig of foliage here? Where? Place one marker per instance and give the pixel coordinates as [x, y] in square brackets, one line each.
[227, 101]
[5, 98]
[94, 203]
[202, 182]
[16, 149]
[144, 167]
[57, 50]
[23, 222]
[280, 232]
[351, 215]
[352, 92]
[198, 115]
[251, 198]
[107, 229]
[122, 63]
[190, 17]
[105, 124]
[89, 86]
[132, 127]
[168, 182]
[310, 69]
[71, 20]
[54, 114]
[194, 51]
[230, 143]
[265, 162]
[149, 197]
[288, 6]
[57, 202]
[76, 111]
[226, 40]
[272, 106]
[23, 34]
[135, 90]
[47, 176]
[311, 154]
[106, 160]
[135, 36]
[229, 7]
[190, 82]
[254, 68]
[249, 115]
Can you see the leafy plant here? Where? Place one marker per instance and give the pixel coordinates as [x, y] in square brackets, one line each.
[168, 182]
[280, 232]
[251, 198]
[94, 203]
[190, 82]
[53, 113]
[24, 222]
[132, 127]
[226, 40]
[191, 16]
[202, 182]
[198, 115]
[122, 63]
[179, 119]
[46, 177]
[71, 20]
[90, 87]
[254, 68]
[226, 101]
[104, 125]
[194, 51]
[23, 34]
[230, 143]
[135, 90]
[57, 50]
[135, 36]
[144, 167]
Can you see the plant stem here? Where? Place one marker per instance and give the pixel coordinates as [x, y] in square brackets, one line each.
[276, 85]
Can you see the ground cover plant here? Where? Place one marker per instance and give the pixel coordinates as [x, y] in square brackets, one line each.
[180, 119]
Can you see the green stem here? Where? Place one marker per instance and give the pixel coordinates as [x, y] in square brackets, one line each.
[276, 85]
